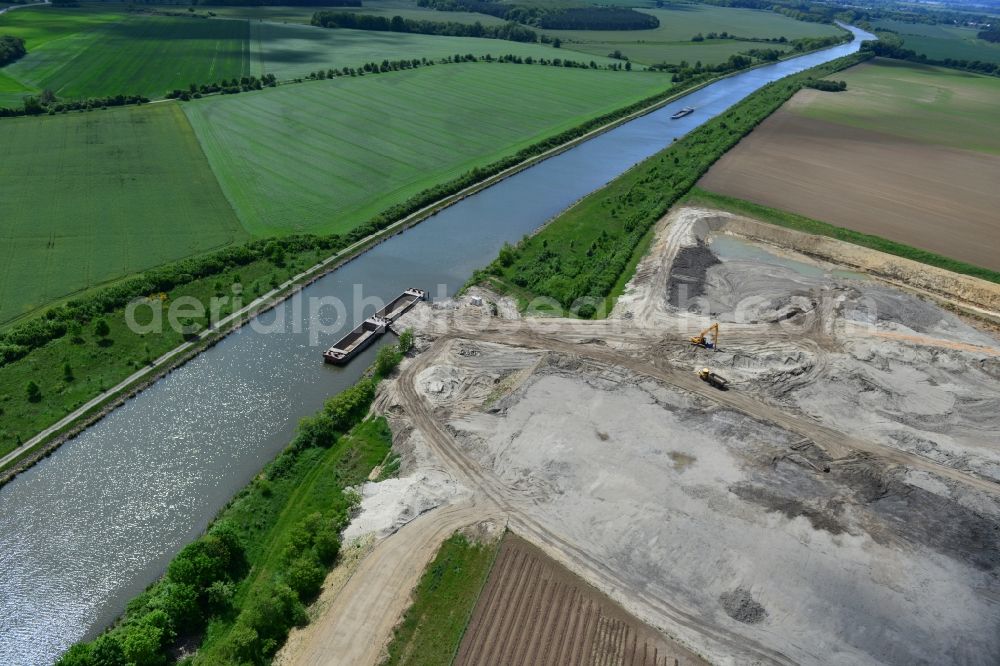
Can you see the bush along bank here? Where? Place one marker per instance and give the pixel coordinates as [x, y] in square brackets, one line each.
[579, 259]
[239, 589]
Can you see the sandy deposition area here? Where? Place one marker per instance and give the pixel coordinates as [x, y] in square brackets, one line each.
[931, 197]
[839, 504]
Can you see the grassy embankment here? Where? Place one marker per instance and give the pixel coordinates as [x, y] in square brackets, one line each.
[237, 591]
[582, 259]
[431, 629]
[291, 159]
[671, 41]
[700, 197]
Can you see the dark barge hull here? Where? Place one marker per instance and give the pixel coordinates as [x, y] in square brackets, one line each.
[372, 328]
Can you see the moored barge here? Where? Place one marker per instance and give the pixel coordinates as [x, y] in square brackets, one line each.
[372, 328]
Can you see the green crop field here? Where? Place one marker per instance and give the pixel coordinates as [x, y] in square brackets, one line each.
[326, 155]
[91, 197]
[12, 91]
[41, 25]
[930, 104]
[139, 55]
[671, 41]
[404, 8]
[939, 42]
[288, 51]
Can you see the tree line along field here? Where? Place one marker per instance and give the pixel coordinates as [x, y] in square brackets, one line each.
[939, 42]
[323, 156]
[290, 50]
[671, 41]
[92, 197]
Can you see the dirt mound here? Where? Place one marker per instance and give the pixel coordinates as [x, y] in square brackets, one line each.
[687, 276]
[741, 606]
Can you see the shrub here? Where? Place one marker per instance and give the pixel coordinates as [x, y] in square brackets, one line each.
[386, 360]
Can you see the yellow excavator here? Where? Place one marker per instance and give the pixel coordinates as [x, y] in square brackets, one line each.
[702, 340]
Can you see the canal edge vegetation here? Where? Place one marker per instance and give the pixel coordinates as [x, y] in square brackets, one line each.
[431, 629]
[581, 259]
[238, 589]
[57, 320]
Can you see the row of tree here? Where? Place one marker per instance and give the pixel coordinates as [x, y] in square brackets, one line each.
[226, 87]
[397, 65]
[826, 85]
[684, 71]
[890, 45]
[736, 38]
[11, 48]
[510, 31]
[552, 18]
[34, 105]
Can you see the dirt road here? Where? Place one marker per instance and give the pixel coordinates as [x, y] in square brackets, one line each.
[356, 627]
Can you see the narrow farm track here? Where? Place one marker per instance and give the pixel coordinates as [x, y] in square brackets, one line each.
[355, 628]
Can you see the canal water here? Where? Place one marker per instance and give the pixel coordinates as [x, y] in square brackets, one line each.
[88, 528]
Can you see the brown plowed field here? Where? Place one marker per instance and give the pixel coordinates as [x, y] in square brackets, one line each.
[534, 611]
[931, 197]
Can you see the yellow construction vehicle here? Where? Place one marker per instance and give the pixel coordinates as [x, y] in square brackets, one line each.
[703, 341]
[713, 379]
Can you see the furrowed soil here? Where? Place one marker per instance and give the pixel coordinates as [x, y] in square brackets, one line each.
[535, 611]
[908, 152]
[931, 197]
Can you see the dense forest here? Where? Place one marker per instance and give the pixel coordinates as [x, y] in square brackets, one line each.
[510, 30]
[597, 18]
[990, 34]
[11, 48]
[570, 18]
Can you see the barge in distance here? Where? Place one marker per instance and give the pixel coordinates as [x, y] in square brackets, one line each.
[686, 111]
[361, 337]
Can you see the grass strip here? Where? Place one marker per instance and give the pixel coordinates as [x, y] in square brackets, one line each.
[781, 218]
[432, 628]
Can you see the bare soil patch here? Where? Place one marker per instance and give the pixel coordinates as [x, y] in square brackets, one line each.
[931, 197]
[535, 611]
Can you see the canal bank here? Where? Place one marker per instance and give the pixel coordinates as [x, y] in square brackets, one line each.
[95, 523]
